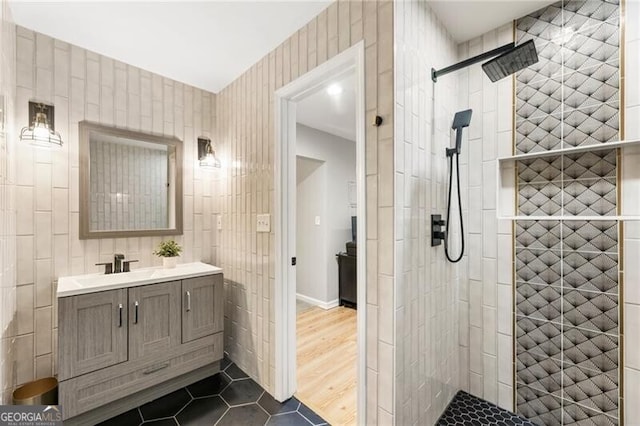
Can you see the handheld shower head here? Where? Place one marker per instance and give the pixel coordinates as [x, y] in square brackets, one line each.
[461, 120]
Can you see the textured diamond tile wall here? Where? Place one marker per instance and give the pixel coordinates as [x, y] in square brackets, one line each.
[572, 95]
[538, 266]
[567, 271]
[538, 337]
[590, 350]
[539, 301]
[540, 407]
[538, 234]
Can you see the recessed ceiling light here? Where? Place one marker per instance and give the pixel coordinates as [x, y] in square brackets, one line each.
[334, 89]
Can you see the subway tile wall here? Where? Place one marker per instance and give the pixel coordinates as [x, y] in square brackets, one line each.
[86, 86]
[630, 326]
[8, 135]
[485, 297]
[428, 369]
[245, 131]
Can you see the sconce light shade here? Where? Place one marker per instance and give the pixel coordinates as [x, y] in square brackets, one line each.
[41, 131]
[207, 155]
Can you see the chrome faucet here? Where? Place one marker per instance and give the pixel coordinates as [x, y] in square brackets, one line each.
[117, 262]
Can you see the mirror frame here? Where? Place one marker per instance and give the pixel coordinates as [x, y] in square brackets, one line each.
[85, 128]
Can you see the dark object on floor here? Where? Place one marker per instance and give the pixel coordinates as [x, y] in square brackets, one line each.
[227, 398]
[465, 409]
[347, 275]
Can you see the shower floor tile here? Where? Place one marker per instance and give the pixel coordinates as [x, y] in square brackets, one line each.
[465, 409]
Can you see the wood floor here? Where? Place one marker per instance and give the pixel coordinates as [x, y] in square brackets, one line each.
[327, 360]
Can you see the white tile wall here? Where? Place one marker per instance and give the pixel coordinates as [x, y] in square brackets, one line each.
[245, 130]
[7, 203]
[489, 256]
[427, 333]
[631, 273]
[86, 86]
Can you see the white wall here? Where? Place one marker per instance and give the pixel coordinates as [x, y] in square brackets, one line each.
[339, 157]
[311, 247]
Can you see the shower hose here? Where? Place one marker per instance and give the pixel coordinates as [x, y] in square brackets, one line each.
[446, 234]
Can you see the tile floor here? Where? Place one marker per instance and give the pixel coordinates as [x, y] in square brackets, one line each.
[227, 398]
[465, 409]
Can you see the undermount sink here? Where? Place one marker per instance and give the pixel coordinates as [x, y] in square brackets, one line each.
[91, 283]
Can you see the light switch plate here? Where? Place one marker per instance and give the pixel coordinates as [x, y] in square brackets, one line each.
[317, 220]
[219, 222]
[263, 223]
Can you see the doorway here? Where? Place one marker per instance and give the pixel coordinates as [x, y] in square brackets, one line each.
[348, 64]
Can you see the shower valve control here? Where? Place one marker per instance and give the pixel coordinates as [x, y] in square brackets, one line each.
[437, 234]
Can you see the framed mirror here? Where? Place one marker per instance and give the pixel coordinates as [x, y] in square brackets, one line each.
[130, 183]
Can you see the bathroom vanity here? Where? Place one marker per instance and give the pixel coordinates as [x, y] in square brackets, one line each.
[126, 339]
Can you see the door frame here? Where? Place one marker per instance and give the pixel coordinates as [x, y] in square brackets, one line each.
[350, 60]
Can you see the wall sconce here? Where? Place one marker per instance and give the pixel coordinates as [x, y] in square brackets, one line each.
[207, 155]
[41, 132]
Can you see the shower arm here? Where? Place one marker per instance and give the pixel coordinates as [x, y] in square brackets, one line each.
[467, 62]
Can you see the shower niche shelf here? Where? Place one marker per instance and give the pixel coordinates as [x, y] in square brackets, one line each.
[629, 188]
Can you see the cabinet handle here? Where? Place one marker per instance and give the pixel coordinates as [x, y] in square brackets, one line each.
[135, 312]
[156, 368]
[188, 301]
[120, 315]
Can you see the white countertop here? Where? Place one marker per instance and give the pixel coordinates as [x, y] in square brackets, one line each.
[91, 283]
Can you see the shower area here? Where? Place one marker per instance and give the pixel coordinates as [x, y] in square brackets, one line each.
[533, 316]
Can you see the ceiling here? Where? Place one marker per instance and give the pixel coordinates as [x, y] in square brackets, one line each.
[209, 43]
[466, 19]
[206, 44]
[331, 113]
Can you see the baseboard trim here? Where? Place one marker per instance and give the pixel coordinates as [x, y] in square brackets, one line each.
[319, 303]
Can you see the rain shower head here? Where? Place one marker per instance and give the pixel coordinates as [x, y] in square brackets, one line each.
[511, 61]
[505, 60]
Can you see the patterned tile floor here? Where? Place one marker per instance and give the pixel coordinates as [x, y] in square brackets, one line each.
[229, 398]
[466, 410]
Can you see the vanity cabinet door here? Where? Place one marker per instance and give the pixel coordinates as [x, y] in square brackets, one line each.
[95, 332]
[154, 319]
[202, 306]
